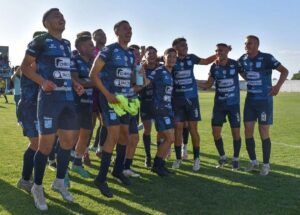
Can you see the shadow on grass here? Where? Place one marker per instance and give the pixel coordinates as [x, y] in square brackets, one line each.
[16, 201]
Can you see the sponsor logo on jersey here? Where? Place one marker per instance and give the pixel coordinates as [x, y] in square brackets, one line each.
[255, 83]
[118, 57]
[225, 82]
[232, 71]
[52, 46]
[121, 83]
[226, 89]
[183, 74]
[62, 75]
[252, 75]
[168, 89]
[62, 63]
[123, 72]
[184, 81]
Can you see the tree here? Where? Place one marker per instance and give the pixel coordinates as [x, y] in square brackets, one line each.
[296, 76]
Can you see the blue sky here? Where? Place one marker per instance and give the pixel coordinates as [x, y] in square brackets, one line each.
[158, 22]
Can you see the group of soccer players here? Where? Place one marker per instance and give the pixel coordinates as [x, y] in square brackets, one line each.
[59, 88]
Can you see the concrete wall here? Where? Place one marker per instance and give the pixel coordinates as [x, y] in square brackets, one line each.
[288, 85]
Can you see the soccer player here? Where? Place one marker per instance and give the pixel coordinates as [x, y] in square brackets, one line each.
[80, 68]
[146, 96]
[27, 118]
[100, 39]
[15, 78]
[56, 110]
[133, 123]
[114, 65]
[225, 74]
[186, 102]
[258, 67]
[162, 83]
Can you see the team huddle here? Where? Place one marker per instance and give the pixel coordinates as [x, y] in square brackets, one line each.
[63, 92]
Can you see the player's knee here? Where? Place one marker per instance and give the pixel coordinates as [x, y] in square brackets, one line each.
[170, 138]
[134, 139]
[34, 146]
[45, 149]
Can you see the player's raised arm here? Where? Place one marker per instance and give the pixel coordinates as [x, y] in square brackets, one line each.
[209, 60]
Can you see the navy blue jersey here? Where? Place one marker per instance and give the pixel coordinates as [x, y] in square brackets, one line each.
[162, 82]
[29, 90]
[118, 70]
[53, 58]
[258, 71]
[185, 85]
[82, 67]
[146, 94]
[227, 82]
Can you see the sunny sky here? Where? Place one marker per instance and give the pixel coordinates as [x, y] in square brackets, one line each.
[158, 22]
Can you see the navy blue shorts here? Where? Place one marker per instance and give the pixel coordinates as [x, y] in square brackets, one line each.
[56, 115]
[133, 124]
[220, 111]
[164, 119]
[85, 116]
[261, 110]
[109, 116]
[146, 110]
[186, 110]
[27, 118]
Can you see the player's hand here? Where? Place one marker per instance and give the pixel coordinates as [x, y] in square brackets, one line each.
[111, 98]
[275, 90]
[79, 89]
[202, 86]
[48, 86]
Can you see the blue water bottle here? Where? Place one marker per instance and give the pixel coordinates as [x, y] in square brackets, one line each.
[139, 78]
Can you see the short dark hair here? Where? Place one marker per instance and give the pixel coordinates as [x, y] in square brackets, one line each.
[47, 13]
[133, 46]
[178, 40]
[118, 24]
[81, 39]
[96, 31]
[38, 33]
[253, 37]
[83, 33]
[224, 45]
[151, 48]
[169, 50]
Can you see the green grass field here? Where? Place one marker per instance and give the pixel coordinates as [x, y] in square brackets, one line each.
[209, 191]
